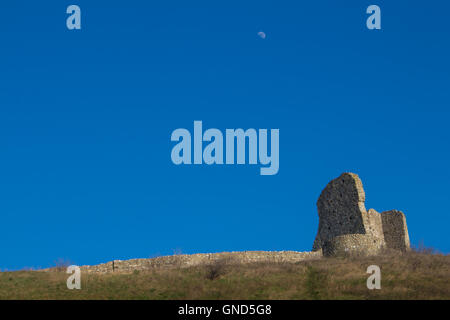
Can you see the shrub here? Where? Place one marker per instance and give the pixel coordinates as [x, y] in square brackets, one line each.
[216, 268]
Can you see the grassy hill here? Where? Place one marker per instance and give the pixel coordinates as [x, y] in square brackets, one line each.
[412, 275]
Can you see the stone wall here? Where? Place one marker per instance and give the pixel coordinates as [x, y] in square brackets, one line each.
[184, 261]
[341, 209]
[395, 230]
[346, 227]
[351, 245]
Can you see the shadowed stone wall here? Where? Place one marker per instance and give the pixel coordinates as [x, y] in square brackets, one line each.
[395, 230]
[341, 208]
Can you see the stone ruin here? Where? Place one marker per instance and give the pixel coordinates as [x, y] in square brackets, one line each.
[346, 227]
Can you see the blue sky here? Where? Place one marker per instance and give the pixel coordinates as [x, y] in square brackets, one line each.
[86, 118]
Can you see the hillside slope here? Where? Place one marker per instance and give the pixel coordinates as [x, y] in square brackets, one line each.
[410, 275]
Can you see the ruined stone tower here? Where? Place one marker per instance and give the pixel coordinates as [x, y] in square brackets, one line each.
[346, 227]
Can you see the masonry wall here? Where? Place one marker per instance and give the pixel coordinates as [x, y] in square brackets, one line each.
[184, 261]
[395, 230]
[340, 207]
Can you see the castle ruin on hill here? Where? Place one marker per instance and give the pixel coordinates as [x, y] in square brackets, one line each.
[345, 228]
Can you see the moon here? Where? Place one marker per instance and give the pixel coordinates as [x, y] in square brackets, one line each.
[262, 35]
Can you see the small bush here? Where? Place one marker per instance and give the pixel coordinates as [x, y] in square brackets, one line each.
[60, 265]
[421, 248]
[216, 268]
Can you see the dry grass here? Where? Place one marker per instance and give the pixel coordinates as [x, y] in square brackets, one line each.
[412, 275]
[60, 265]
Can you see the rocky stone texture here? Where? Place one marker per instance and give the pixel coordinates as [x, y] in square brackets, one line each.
[372, 222]
[341, 209]
[395, 230]
[351, 244]
[184, 260]
[345, 227]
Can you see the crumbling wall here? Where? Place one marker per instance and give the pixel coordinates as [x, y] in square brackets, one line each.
[185, 260]
[351, 245]
[345, 226]
[341, 208]
[395, 230]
